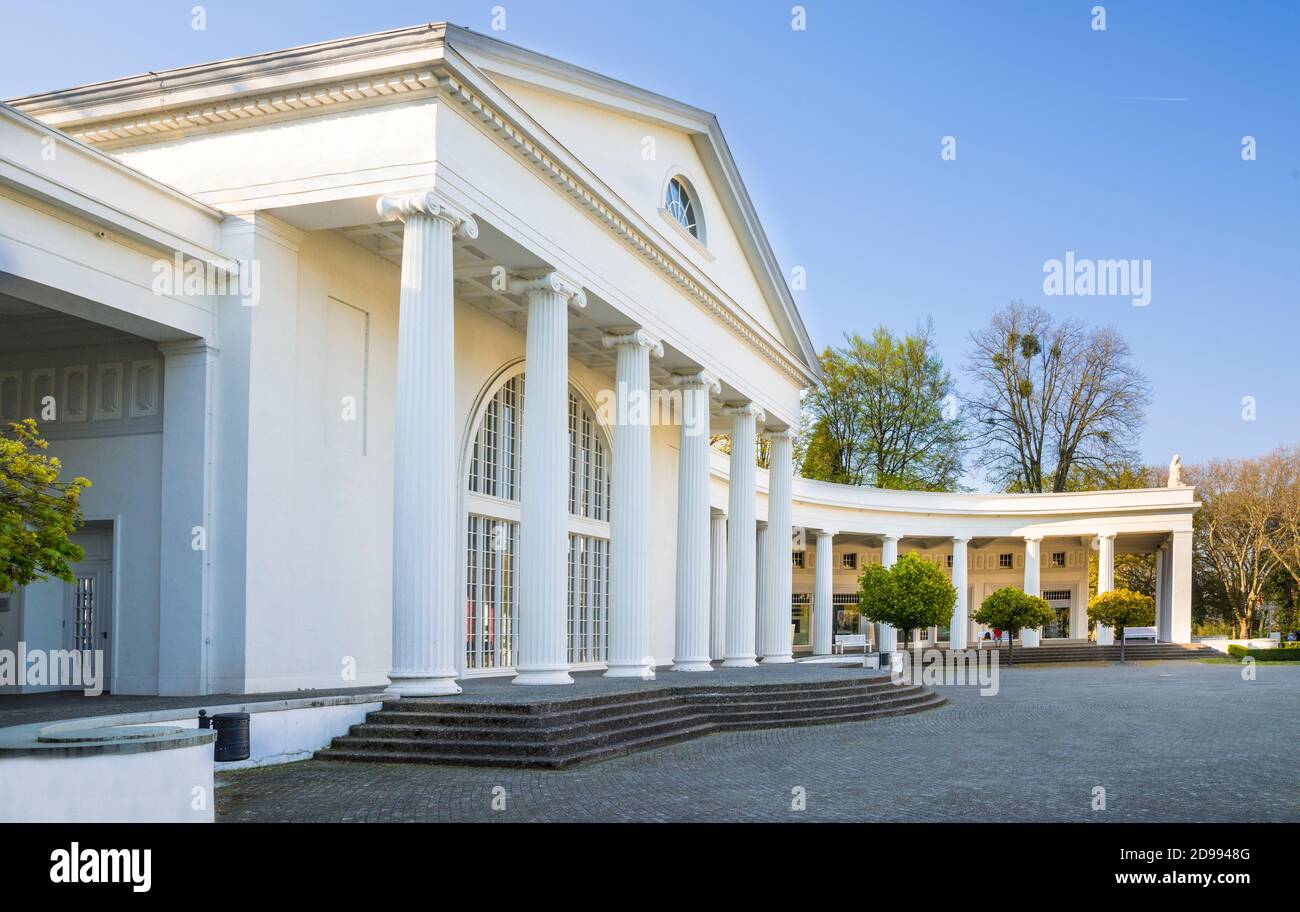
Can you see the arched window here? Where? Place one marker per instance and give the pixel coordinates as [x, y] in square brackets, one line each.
[494, 487]
[679, 201]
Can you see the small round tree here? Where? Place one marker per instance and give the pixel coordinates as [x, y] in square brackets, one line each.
[1122, 608]
[38, 511]
[1012, 609]
[910, 595]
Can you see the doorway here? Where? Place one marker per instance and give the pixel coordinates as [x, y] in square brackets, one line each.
[1059, 601]
[88, 600]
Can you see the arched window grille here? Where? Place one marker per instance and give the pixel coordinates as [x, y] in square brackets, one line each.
[493, 530]
[680, 204]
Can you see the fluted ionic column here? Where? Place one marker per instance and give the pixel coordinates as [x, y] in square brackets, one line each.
[693, 628]
[1105, 580]
[888, 557]
[760, 588]
[778, 648]
[960, 610]
[1179, 572]
[544, 465]
[718, 588]
[823, 592]
[427, 540]
[629, 527]
[741, 532]
[1162, 616]
[1030, 636]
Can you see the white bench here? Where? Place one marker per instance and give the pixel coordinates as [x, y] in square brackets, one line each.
[849, 639]
[1139, 633]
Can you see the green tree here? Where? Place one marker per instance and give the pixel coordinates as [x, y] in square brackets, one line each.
[884, 414]
[910, 595]
[1012, 609]
[1122, 608]
[37, 511]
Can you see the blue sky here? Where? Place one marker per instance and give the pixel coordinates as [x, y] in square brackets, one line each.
[1123, 143]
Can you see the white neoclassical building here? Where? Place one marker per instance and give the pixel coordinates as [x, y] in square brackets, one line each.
[395, 359]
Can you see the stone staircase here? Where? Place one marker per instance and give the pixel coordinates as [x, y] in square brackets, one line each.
[563, 733]
[1141, 651]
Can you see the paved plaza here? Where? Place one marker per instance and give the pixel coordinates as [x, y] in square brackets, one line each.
[1168, 741]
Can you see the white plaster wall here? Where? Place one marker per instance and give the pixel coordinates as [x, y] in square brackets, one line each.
[161, 786]
[287, 163]
[125, 471]
[320, 516]
[284, 735]
[111, 276]
[479, 172]
[611, 144]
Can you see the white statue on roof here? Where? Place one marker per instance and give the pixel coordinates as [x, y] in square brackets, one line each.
[1175, 472]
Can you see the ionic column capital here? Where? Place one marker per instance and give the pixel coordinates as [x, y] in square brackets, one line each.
[964, 539]
[783, 434]
[745, 408]
[1033, 538]
[427, 203]
[634, 337]
[552, 282]
[1109, 535]
[826, 533]
[701, 379]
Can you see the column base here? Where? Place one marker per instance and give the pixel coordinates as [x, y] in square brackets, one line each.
[778, 659]
[692, 665]
[542, 676]
[421, 687]
[642, 671]
[740, 662]
[1105, 636]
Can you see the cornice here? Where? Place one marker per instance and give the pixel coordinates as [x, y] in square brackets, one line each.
[443, 74]
[532, 151]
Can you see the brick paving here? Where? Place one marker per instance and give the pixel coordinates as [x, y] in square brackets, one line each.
[1169, 741]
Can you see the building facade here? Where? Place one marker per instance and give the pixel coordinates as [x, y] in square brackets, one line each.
[395, 360]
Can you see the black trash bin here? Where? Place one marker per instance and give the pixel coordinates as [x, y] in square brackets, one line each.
[232, 736]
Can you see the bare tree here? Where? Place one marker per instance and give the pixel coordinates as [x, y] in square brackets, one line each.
[1052, 399]
[1235, 530]
[1285, 467]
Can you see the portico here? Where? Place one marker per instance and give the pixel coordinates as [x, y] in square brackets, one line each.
[496, 408]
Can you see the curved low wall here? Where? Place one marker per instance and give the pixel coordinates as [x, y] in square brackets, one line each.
[153, 767]
[166, 785]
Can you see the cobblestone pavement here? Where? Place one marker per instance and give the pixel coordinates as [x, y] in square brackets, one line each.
[1167, 740]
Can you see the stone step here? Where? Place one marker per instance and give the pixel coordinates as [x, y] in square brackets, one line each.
[569, 704]
[429, 713]
[792, 716]
[903, 707]
[560, 738]
[509, 760]
[540, 731]
[576, 742]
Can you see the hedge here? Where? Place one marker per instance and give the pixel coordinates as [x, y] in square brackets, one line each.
[1287, 652]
